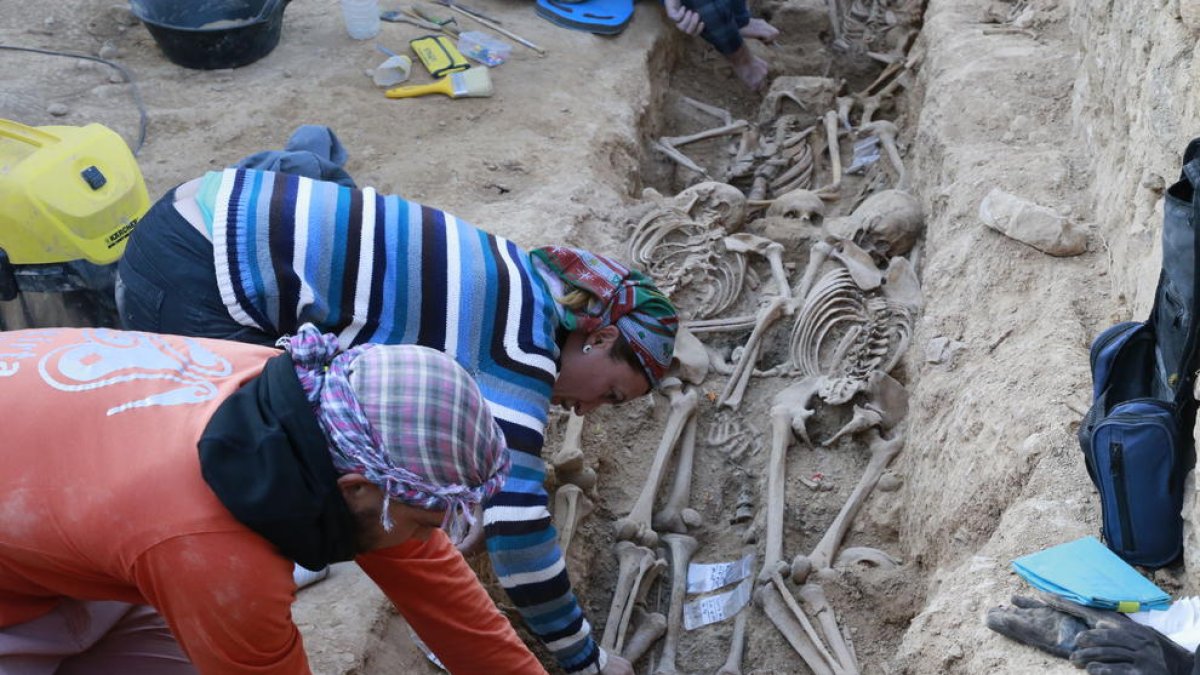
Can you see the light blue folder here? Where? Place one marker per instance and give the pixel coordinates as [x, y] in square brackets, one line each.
[1086, 572]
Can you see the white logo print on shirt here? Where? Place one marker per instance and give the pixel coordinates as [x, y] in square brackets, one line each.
[106, 358]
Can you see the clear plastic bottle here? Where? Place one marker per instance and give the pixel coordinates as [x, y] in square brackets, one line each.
[362, 18]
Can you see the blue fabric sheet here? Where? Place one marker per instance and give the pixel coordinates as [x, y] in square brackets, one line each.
[1087, 572]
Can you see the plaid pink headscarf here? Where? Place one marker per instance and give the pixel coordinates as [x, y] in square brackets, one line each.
[406, 417]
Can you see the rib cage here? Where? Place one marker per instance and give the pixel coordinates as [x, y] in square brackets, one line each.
[688, 262]
[843, 335]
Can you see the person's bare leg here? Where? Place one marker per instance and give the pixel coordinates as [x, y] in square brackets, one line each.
[750, 69]
[759, 29]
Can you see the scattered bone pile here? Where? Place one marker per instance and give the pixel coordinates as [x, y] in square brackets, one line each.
[793, 262]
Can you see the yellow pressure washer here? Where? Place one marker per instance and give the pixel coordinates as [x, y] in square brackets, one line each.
[69, 199]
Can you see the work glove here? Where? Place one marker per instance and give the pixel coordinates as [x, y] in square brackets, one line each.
[1101, 641]
[1037, 625]
[1122, 651]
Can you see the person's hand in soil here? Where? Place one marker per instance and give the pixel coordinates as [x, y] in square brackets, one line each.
[617, 666]
[685, 19]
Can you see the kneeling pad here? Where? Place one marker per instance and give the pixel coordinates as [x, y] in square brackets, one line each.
[604, 17]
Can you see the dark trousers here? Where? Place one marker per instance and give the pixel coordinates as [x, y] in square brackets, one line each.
[167, 283]
[722, 20]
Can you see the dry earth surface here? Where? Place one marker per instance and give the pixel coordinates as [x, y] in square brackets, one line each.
[1078, 106]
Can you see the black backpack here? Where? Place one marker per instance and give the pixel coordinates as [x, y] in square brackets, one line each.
[1137, 437]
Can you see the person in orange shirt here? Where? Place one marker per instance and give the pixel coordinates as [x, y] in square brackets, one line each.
[157, 490]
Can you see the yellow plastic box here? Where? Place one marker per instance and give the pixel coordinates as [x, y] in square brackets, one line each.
[67, 193]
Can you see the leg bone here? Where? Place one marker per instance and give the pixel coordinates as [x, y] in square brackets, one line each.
[650, 627]
[674, 516]
[570, 507]
[569, 458]
[681, 548]
[882, 452]
[727, 130]
[629, 561]
[835, 153]
[744, 242]
[647, 572]
[886, 132]
[783, 413]
[736, 386]
[768, 597]
[678, 157]
[733, 663]
[637, 525]
[813, 597]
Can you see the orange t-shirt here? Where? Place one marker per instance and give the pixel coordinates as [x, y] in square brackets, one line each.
[101, 498]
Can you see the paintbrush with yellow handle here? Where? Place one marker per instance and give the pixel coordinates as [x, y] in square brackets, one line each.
[467, 83]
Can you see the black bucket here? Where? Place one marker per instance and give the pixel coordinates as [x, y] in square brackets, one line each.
[214, 33]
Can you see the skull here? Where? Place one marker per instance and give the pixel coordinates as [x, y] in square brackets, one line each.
[714, 204]
[889, 223]
[802, 205]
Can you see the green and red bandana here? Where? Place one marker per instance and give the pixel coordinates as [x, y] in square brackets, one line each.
[622, 297]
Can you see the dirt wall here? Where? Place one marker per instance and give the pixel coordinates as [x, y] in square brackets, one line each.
[1085, 110]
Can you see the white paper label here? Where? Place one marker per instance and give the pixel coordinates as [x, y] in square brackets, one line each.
[703, 578]
[717, 607]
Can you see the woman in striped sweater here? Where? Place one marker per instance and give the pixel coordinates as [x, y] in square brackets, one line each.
[251, 255]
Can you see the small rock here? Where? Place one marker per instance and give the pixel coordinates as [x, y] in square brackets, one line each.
[108, 50]
[1020, 125]
[955, 653]
[942, 349]
[1031, 224]
[1154, 182]
[58, 109]
[889, 482]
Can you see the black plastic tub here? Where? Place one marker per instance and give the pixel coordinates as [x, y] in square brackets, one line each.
[214, 33]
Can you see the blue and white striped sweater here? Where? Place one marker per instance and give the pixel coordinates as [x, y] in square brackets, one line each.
[375, 268]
